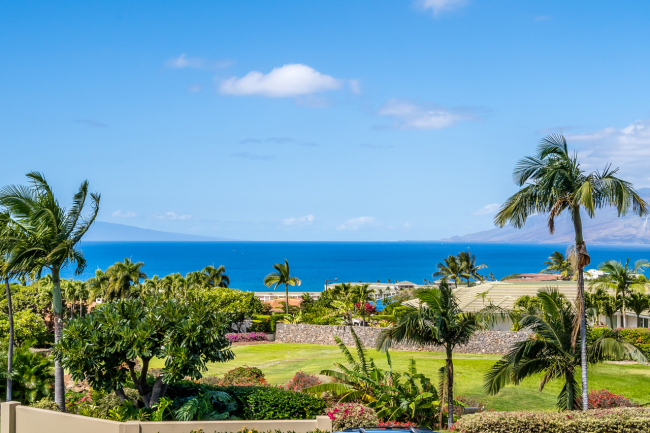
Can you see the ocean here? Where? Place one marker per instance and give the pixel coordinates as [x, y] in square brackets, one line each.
[247, 263]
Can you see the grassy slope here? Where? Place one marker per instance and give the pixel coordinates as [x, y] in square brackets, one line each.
[280, 361]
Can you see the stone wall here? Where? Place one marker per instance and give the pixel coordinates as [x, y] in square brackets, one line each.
[488, 342]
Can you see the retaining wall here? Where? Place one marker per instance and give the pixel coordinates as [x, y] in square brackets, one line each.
[483, 342]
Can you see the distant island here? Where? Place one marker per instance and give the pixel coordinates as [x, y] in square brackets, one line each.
[102, 231]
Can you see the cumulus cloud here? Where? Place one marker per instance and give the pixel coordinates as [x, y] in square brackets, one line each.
[182, 62]
[290, 80]
[303, 220]
[408, 115]
[489, 209]
[355, 86]
[439, 6]
[355, 223]
[172, 216]
[627, 148]
[119, 214]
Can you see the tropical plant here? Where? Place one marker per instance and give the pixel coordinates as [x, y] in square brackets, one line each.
[553, 181]
[97, 285]
[550, 351]
[450, 268]
[282, 276]
[47, 236]
[235, 305]
[6, 275]
[27, 326]
[152, 286]
[121, 277]
[557, 263]
[196, 281]
[103, 346]
[467, 262]
[208, 406]
[438, 321]
[599, 301]
[31, 376]
[351, 415]
[216, 276]
[638, 302]
[622, 279]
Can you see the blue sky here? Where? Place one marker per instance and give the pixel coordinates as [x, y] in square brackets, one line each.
[316, 120]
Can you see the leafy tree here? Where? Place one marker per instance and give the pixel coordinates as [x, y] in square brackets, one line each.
[622, 279]
[121, 277]
[216, 276]
[557, 263]
[552, 182]
[602, 302]
[26, 326]
[550, 351]
[47, 236]
[467, 262]
[98, 346]
[235, 305]
[638, 302]
[450, 268]
[282, 276]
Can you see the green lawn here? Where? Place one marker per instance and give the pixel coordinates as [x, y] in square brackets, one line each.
[280, 361]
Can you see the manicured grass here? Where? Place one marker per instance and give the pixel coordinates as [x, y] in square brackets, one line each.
[280, 361]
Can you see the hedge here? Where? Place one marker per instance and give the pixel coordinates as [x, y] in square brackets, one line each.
[619, 420]
[640, 337]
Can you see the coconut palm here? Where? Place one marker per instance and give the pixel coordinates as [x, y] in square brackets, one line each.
[438, 321]
[121, 276]
[97, 285]
[216, 276]
[152, 286]
[450, 268]
[362, 294]
[553, 182]
[550, 351]
[196, 281]
[557, 263]
[47, 236]
[6, 275]
[638, 302]
[622, 279]
[282, 276]
[467, 262]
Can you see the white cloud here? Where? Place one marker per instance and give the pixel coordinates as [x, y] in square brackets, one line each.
[438, 6]
[489, 209]
[412, 116]
[182, 62]
[355, 223]
[407, 225]
[172, 216]
[286, 81]
[355, 86]
[194, 88]
[119, 214]
[303, 220]
[627, 148]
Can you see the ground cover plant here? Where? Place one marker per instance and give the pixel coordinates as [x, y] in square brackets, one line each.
[244, 337]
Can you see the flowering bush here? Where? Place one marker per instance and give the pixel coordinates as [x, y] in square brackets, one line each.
[348, 415]
[368, 306]
[628, 420]
[603, 399]
[243, 376]
[246, 337]
[396, 424]
[302, 380]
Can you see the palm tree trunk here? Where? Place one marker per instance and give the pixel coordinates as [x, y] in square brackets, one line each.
[57, 308]
[577, 224]
[569, 390]
[10, 349]
[287, 290]
[623, 313]
[638, 320]
[450, 388]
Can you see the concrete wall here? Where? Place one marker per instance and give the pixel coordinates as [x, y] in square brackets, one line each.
[23, 419]
[492, 342]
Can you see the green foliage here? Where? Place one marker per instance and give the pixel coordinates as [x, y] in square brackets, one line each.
[185, 388]
[32, 374]
[277, 403]
[557, 263]
[628, 420]
[244, 376]
[275, 319]
[387, 317]
[35, 297]
[45, 403]
[510, 277]
[27, 326]
[98, 346]
[207, 406]
[235, 305]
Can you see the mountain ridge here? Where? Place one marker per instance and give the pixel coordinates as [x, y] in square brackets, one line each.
[102, 231]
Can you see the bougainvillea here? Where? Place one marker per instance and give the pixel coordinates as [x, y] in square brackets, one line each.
[348, 415]
[246, 337]
[603, 399]
[368, 306]
[302, 380]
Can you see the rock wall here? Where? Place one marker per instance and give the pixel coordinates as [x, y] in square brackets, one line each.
[488, 342]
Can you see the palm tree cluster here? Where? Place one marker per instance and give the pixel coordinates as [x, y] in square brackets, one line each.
[349, 299]
[558, 264]
[461, 266]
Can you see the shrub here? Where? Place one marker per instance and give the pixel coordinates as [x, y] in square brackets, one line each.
[628, 420]
[396, 424]
[348, 415]
[244, 376]
[603, 399]
[27, 326]
[278, 403]
[188, 388]
[45, 403]
[275, 319]
[261, 325]
[246, 337]
[32, 374]
[302, 380]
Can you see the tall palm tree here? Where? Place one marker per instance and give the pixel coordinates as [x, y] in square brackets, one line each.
[196, 281]
[450, 268]
[550, 351]
[152, 286]
[552, 182]
[282, 276]
[47, 236]
[216, 276]
[622, 279]
[557, 263]
[438, 321]
[121, 276]
[467, 262]
[638, 302]
[98, 285]
[362, 294]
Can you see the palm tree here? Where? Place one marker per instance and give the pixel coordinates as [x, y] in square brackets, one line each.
[552, 182]
[550, 351]
[152, 286]
[621, 279]
[450, 268]
[281, 276]
[557, 263]
[216, 276]
[638, 302]
[196, 281]
[362, 294]
[6, 275]
[467, 262]
[121, 276]
[98, 285]
[438, 321]
[47, 236]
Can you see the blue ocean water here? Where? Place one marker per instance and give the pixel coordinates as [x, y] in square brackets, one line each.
[248, 262]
